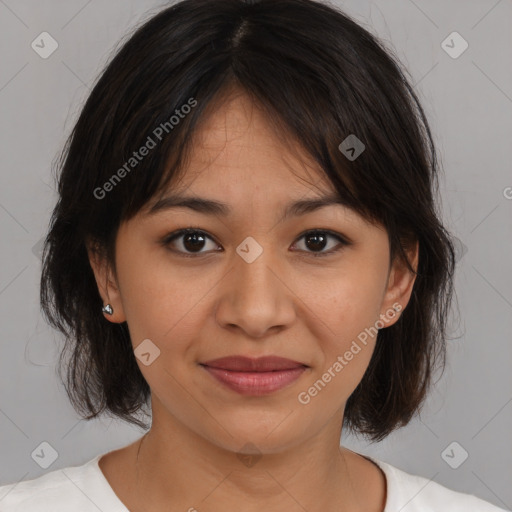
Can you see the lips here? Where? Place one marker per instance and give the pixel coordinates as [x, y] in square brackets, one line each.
[254, 377]
[247, 364]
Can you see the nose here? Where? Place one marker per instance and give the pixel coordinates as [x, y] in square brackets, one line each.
[256, 297]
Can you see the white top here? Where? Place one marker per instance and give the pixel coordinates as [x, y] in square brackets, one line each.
[85, 489]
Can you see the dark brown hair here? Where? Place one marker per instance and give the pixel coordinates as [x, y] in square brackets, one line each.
[319, 75]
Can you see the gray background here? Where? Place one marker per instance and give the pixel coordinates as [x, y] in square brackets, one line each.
[469, 104]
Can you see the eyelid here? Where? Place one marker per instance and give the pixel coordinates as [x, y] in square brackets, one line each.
[343, 238]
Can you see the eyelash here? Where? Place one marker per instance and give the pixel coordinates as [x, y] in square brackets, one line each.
[176, 234]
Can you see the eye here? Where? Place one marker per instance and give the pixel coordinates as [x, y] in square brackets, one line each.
[316, 240]
[188, 239]
[189, 242]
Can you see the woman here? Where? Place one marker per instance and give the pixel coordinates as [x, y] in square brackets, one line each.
[283, 141]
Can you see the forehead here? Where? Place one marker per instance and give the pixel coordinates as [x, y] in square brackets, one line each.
[240, 164]
[237, 145]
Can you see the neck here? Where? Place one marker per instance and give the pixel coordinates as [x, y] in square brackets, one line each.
[191, 473]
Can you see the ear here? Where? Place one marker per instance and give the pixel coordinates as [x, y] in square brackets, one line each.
[400, 284]
[106, 282]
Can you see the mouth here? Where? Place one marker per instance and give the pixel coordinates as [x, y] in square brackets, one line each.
[248, 376]
[249, 364]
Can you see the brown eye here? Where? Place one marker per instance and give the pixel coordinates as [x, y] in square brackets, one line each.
[316, 241]
[188, 241]
[193, 241]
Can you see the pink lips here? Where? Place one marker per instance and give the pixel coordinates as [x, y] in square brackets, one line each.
[249, 376]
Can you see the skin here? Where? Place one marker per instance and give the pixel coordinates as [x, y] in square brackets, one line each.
[286, 302]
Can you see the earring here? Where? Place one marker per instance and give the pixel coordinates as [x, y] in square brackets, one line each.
[107, 309]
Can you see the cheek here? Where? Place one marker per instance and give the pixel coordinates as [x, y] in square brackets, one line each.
[345, 304]
[144, 289]
[163, 302]
[343, 351]
[342, 315]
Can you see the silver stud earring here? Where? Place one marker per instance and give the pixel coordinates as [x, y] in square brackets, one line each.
[107, 309]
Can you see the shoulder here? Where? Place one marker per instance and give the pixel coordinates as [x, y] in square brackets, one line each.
[62, 490]
[413, 493]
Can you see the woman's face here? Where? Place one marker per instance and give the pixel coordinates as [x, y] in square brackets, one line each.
[252, 283]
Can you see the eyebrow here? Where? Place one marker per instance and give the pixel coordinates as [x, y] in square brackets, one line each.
[212, 207]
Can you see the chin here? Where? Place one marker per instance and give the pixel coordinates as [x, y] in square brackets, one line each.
[251, 434]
